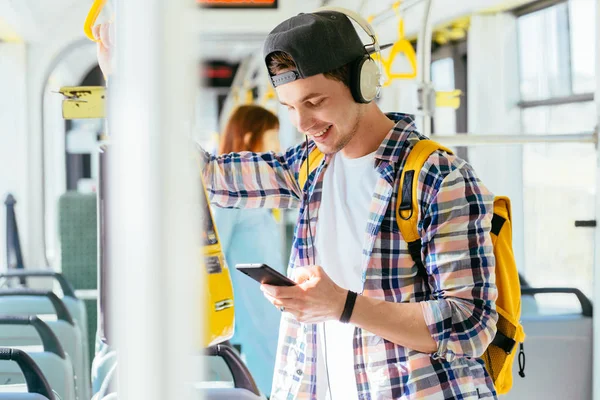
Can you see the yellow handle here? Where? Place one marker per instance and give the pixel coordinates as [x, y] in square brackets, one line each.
[249, 98]
[448, 99]
[402, 46]
[268, 95]
[236, 96]
[90, 20]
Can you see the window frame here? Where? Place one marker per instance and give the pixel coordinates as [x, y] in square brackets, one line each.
[572, 98]
[536, 6]
[557, 100]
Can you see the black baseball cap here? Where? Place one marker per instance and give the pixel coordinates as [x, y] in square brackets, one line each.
[317, 42]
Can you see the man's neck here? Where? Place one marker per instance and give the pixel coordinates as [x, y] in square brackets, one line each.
[372, 129]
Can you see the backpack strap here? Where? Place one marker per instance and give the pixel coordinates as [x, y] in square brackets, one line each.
[314, 160]
[407, 213]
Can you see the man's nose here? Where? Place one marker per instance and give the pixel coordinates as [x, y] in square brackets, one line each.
[305, 121]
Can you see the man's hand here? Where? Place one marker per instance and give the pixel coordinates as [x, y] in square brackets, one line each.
[316, 298]
[105, 35]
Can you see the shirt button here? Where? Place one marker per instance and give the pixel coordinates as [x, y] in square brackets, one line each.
[299, 372]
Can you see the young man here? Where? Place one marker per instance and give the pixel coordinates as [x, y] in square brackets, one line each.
[403, 336]
[407, 337]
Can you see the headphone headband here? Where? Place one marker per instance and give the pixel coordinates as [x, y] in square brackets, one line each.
[371, 32]
[356, 18]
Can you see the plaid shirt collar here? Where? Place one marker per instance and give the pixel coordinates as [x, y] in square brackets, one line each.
[393, 146]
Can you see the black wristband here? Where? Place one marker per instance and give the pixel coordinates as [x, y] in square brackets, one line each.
[348, 307]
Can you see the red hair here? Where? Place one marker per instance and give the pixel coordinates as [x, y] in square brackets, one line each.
[249, 119]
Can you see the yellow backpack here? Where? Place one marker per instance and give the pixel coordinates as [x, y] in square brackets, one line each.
[500, 355]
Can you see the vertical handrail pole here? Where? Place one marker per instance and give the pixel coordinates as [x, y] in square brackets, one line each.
[596, 275]
[153, 201]
[425, 95]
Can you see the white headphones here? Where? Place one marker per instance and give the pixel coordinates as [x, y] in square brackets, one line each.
[365, 74]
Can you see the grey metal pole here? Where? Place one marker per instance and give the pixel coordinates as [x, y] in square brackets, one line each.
[103, 264]
[153, 202]
[596, 276]
[390, 13]
[426, 95]
[14, 256]
[474, 139]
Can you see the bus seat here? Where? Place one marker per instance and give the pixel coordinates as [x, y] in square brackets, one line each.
[227, 394]
[234, 378]
[37, 387]
[63, 326]
[109, 385]
[52, 360]
[101, 366]
[557, 353]
[37, 305]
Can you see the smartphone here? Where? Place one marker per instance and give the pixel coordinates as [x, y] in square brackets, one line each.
[262, 273]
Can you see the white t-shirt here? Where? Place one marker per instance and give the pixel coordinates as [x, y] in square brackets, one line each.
[348, 187]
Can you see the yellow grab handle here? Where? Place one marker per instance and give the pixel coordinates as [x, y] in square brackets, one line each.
[448, 99]
[249, 97]
[402, 46]
[268, 95]
[90, 20]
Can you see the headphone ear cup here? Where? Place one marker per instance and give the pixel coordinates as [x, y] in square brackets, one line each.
[355, 78]
[369, 79]
[364, 80]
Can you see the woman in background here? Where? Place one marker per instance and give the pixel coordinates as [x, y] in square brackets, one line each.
[252, 236]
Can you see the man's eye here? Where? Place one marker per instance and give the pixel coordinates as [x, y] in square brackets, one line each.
[318, 103]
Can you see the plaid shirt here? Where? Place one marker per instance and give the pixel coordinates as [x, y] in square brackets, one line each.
[458, 300]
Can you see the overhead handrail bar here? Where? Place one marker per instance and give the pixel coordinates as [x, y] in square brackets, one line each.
[389, 13]
[474, 139]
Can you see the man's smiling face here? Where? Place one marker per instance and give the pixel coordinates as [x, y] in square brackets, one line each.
[323, 109]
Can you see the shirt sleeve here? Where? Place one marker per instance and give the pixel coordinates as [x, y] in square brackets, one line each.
[458, 253]
[254, 180]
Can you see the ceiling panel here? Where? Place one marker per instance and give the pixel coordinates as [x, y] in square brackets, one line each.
[227, 34]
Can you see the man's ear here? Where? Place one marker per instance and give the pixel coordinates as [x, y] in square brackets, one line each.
[247, 137]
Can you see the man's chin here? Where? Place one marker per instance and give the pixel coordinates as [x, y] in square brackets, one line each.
[326, 149]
